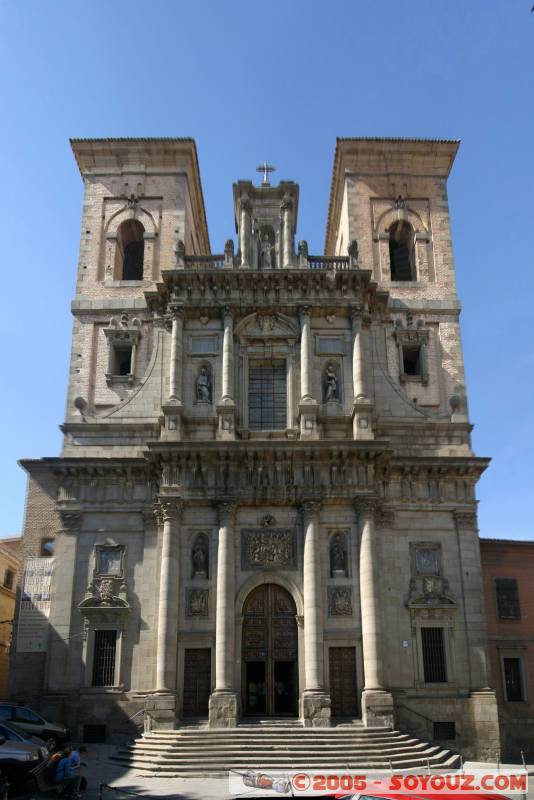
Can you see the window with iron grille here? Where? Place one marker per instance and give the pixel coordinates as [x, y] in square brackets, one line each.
[507, 598]
[512, 679]
[267, 396]
[105, 648]
[434, 663]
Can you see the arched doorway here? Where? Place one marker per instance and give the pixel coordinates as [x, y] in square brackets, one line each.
[270, 652]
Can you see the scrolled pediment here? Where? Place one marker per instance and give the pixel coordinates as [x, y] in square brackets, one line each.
[267, 325]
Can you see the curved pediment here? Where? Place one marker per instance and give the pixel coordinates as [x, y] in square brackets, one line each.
[267, 325]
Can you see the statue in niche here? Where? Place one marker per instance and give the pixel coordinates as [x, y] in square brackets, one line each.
[200, 557]
[203, 385]
[266, 252]
[338, 556]
[331, 385]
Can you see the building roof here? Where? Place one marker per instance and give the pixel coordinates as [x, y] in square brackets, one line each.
[393, 155]
[487, 540]
[164, 151]
[11, 548]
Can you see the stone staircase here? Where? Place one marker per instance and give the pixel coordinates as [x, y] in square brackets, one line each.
[195, 751]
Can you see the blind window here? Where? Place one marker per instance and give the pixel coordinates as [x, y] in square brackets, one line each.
[104, 658]
[434, 665]
[267, 397]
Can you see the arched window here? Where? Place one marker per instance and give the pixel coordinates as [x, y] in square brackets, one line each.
[130, 250]
[401, 251]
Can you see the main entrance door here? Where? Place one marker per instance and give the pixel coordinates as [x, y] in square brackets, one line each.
[270, 652]
[197, 681]
[342, 663]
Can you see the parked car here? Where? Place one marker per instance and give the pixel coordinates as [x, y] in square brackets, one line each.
[32, 722]
[18, 759]
[13, 733]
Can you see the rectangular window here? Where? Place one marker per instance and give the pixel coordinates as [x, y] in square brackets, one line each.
[411, 356]
[433, 645]
[330, 345]
[507, 598]
[203, 344]
[8, 578]
[122, 360]
[512, 679]
[267, 397]
[105, 648]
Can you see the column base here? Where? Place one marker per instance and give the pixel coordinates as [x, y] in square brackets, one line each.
[315, 709]
[162, 708]
[377, 708]
[362, 420]
[226, 416]
[308, 412]
[223, 709]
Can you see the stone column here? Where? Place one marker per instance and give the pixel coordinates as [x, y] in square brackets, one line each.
[377, 704]
[167, 642]
[362, 406]
[244, 231]
[175, 375]
[315, 701]
[287, 232]
[226, 409]
[223, 706]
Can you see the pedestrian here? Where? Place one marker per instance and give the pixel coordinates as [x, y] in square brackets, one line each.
[77, 763]
[66, 775]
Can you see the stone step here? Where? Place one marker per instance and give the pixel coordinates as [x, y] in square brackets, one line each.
[293, 748]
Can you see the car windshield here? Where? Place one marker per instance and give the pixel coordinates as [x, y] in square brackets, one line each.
[11, 726]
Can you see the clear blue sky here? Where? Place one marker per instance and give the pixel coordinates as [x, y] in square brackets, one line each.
[276, 80]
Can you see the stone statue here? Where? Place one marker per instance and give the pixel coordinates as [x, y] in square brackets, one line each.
[200, 558]
[203, 386]
[331, 390]
[338, 556]
[266, 253]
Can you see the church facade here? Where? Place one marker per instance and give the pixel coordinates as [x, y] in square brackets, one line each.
[265, 501]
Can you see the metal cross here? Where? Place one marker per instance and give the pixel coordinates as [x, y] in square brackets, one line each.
[265, 168]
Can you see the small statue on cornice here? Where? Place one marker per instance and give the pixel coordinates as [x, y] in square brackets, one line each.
[266, 252]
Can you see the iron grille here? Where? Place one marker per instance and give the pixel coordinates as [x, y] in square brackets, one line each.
[104, 658]
[433, 655]
[507, 598]
[267, 397]
[512, 679]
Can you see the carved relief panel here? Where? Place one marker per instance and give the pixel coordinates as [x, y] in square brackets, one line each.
[272, 548]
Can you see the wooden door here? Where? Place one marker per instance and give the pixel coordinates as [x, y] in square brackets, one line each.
[343, 692]
[270, 652]
[197, 681]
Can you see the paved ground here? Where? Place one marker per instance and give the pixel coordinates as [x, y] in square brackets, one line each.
[123, 781]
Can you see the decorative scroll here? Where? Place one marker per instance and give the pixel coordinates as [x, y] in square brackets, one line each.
[272, 548]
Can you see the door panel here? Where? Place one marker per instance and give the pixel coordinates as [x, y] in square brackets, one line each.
[343, 689]
[197, 681]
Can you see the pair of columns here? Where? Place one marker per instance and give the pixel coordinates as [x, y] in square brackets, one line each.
[315, 708]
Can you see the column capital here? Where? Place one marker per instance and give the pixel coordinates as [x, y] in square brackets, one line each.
[359, 315]
[70, 521]
[287, 203]
[175, 312]
[304, 313]
[466, 519]
[168, 510]
[227, 312]
[310, 506]
[226, 510]
[365, 507]
[245, 204]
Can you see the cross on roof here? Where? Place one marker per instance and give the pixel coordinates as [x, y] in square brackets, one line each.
[265, 168]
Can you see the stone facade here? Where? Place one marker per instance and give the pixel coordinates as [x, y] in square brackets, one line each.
[267, 464]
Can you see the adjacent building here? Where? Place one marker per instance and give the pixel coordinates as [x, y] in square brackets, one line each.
[265, 501]
[508, 573]
[9, 577]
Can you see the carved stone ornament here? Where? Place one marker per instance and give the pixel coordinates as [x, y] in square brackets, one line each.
[105, 593]
[267, 549]
[200, 556]
[268, 521]
[197, 603]
[109, 561]
[331, 384]
[430, 591]
[466, 519]
[340, 601]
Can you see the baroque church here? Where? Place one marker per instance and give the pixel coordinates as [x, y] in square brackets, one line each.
[265, 502]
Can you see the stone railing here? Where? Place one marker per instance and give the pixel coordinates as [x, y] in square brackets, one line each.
[204, 262]
[329, 262]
